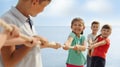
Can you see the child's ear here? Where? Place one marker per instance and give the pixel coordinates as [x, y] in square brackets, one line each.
[100, 30]
[35, 1]
[91, 27]
[83, 27]
[71, 26]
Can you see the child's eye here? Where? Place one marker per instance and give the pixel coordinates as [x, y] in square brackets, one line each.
[80, 25]
[108, 31]
[75, 24]
[93, 26]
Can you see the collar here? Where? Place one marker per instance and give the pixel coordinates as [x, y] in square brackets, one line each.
[18, 14]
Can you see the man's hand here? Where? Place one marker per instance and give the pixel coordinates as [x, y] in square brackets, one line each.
[34, 42]
[43, 41]
[12, 34]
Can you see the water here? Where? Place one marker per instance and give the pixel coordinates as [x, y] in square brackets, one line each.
[57, 58]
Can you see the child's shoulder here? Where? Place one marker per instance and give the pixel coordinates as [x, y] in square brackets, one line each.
[72, 34]
[107, 40]
[82, 36]
[90, 34]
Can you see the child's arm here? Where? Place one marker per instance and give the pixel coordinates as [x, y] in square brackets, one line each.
[80, 47]
[103, 42]
[67, 44]
[83, 46]
[90, 41]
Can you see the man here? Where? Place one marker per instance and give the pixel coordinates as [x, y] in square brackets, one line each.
[22, 56]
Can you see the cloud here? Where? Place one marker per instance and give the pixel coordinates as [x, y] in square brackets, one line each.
[59, 7]
[98, 6]
[75, 7]
[112, 22]
[62, 11]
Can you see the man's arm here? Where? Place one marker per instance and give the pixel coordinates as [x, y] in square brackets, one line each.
[46, 44]
[11, 56]
[3, 38]
[14, 41]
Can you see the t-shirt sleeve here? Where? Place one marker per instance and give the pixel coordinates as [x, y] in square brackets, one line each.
[83, 38]
[72, 35]
[107, 41]
[89, 37]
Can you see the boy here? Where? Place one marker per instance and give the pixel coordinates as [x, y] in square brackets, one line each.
[94, 27]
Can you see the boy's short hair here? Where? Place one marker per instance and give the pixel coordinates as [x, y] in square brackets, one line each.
[106, 26]
[95, 22]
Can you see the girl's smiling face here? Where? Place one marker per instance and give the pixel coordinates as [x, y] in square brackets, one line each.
[77, 27]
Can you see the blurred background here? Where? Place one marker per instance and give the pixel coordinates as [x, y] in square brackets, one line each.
[54, 24]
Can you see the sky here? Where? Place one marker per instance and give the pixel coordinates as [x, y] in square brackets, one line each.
[61, 12]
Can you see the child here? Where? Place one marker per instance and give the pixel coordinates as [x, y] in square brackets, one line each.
[76, 44]
[100, 47]
[91, 38]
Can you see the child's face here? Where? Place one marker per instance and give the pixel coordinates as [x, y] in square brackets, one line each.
[105, 32]
[77, 27]
[95, 28]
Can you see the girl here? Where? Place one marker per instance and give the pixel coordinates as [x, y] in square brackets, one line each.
[100, 47]
[76, 44]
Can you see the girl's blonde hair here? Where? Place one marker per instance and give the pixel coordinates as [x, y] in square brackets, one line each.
[77, 19]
